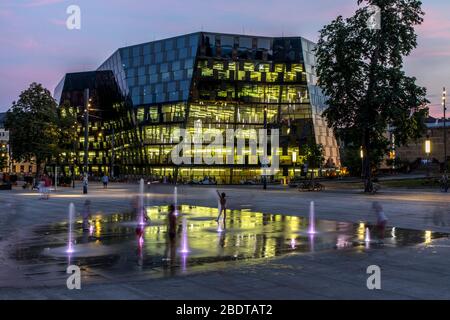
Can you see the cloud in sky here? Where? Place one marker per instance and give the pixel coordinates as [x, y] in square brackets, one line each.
[36, 43]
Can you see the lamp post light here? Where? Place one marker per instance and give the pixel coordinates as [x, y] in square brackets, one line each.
[428, 152]
[361, 154]
[294, 160]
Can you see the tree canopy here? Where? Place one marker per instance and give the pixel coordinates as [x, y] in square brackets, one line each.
[360, 70]
[37, 130]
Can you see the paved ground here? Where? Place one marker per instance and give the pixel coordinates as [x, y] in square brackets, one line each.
[407, 273]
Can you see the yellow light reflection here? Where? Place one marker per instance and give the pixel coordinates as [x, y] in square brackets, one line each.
[361, 231]
[98, 228]
[428, 239]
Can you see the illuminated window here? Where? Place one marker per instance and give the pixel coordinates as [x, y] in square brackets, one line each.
[297, 68]
[290, 76]
[248, 66]
[279, 68]
[271, 76]
[206, 72]
[255, 76]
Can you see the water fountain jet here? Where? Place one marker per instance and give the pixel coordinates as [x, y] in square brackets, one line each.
[175, 200]
[70, 240]
[184, 238]
[312, 224]
[367, 238]
[293, 244]
[141, 207]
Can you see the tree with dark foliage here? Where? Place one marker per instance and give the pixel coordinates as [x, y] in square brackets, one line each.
[360, 70]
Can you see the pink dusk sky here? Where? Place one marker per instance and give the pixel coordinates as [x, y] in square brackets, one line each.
[36, 46]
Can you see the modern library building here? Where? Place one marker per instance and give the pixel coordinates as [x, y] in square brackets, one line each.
[141, 95]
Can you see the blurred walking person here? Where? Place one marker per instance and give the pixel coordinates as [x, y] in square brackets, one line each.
[381, 220]
[86, 215]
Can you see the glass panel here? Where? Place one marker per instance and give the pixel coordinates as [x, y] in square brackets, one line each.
[159, 57]
[245, 42]
[181, 42]
[164, 67]
[176, 65]
[165, 76]
[146, 49]
[171, 55]
[168, 45]
[183, 53]
[157, 46]
[147, 59]
[193, 40]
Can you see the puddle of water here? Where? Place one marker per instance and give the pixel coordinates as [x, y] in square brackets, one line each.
[113, 246]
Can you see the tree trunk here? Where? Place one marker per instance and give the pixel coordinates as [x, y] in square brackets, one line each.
[38, 169]
[367, 163]
[371, 113]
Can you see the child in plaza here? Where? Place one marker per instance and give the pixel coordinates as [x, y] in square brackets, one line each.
[222, 205]
[381, 219]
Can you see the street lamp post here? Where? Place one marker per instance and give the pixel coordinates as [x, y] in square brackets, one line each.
[113, 155]
[444, 97]
[87, 104]
[265, 165]
[73, 173]
[74, 160]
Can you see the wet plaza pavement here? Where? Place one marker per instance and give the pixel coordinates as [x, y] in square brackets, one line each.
[112, 249]
[255, 255]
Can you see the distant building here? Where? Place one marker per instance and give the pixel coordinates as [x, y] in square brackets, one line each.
[415, 150]
[22, 167]
[4, 140]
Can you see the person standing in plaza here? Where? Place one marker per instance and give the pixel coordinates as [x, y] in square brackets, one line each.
[105, 180]
[222, 206]
[85, 184]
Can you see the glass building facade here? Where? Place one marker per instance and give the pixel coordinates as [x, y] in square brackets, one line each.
[143, 93]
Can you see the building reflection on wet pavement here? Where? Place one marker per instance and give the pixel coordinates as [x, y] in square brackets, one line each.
[112, 249]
